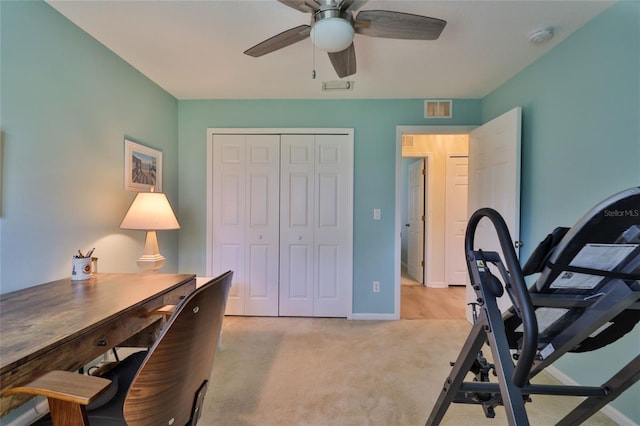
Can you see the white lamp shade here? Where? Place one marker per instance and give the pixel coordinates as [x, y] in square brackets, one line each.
[150, 211]
[332, 34]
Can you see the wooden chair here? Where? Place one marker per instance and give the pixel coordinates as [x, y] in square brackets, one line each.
[162, 386]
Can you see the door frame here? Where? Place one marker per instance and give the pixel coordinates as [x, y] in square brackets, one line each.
[413, 130]
[276, 131]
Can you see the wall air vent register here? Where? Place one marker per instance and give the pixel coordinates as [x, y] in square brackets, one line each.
[438, 108]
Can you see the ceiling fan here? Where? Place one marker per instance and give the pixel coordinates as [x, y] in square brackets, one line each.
[333, 27]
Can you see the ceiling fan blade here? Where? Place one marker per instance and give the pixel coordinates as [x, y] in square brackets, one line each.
[284, 39]
[352, 5]
[344, 62]
[306, 6]
[389, 24]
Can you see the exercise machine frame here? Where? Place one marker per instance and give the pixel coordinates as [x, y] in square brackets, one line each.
[513, 387]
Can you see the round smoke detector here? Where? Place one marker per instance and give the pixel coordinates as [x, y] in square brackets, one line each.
[541, 35]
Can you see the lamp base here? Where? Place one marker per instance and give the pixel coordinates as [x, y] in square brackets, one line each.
[151, 259]
[150, 263]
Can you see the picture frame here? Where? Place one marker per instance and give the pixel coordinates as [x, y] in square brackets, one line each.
[1, 168]
[142, 167]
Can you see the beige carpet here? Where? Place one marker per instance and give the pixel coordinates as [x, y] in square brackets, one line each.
[299, 371]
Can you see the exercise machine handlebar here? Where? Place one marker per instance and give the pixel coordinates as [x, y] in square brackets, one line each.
[520, 292]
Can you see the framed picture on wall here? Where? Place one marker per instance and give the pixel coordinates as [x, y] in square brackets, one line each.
[142, 167]
[1, 133]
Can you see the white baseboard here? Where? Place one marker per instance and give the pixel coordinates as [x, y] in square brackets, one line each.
[375, 317]
[437, 284]
[609, 411]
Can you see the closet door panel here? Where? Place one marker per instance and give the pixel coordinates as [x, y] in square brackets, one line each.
[297, 295]
[259, 284]
[300, 186]
[228, 215]
[297, 187]
[231, 255]
[333, 226]
[262, 224]
[246, 220]
[328, 203]
[298, 272]
[258, 200]
[230, 207]
[328, 262]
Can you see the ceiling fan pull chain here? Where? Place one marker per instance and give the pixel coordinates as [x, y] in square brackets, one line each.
[313, 54]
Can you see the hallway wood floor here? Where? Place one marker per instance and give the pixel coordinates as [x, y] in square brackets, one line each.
[420, 302]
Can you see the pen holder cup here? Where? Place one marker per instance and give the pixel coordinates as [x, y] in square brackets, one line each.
[83, 267]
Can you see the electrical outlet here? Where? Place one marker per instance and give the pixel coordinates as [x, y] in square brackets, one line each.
[376, 214]
[376, 286]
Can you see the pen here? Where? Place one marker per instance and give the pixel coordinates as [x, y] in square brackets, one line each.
[80, 253]
[90, 252]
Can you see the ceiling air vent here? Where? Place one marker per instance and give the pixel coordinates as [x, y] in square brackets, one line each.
[438, 109]
[339, 85]
[407, 141]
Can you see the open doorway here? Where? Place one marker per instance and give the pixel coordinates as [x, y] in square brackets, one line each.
[494, 150]
[444, 152]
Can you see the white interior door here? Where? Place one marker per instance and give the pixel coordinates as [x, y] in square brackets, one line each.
[245, 220]
[456, 182]
[416, 219]
[316, 225]
[494, 181]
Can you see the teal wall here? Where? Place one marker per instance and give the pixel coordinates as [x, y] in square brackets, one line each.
[67, 103]
[374, 123]
[581, 143]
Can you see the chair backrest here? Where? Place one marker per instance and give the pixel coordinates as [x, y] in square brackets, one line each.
[170, 384]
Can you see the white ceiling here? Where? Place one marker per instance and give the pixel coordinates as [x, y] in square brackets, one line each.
[194, 49]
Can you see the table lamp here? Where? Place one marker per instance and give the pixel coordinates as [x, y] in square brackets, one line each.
[150, 211]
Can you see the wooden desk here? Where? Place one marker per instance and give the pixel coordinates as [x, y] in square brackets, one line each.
[63, 325]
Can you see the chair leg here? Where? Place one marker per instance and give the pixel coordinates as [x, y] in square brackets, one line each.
[64, 413]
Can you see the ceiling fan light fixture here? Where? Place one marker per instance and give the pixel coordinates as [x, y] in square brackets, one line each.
[332, 34]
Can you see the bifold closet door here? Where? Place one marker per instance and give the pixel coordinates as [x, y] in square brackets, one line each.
[316, 216]
[246, 220]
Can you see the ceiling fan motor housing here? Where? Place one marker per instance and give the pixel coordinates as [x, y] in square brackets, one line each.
[332, 30]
